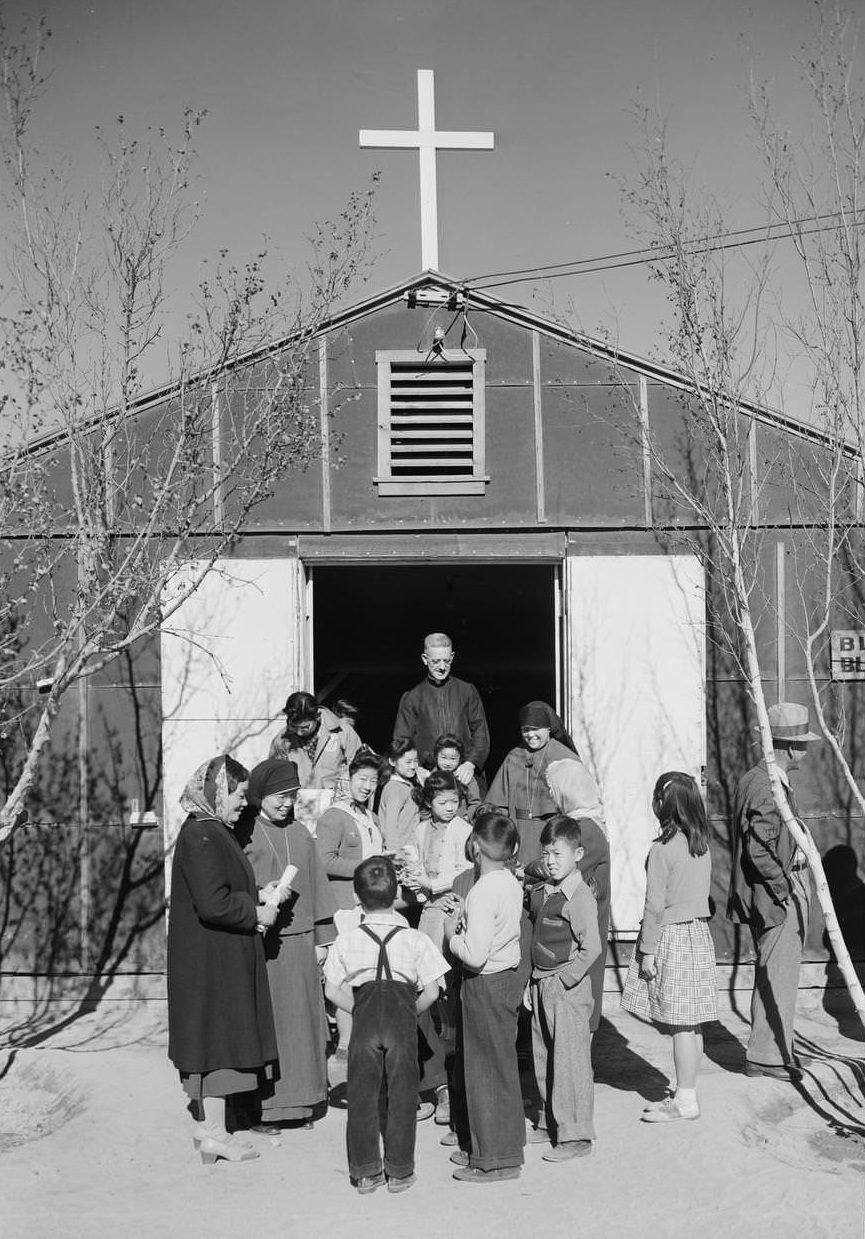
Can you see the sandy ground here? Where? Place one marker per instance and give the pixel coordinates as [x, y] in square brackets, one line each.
[94, 1141]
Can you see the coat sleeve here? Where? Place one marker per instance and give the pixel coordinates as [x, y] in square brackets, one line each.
[499, 792]
[478, 747]
[323, 902]
[473, 799]
[328, 837]
[351, 743]
[202, 863]
[596, 848]
[656, 891]
[582, 914]
[766, 842]
[405, 725]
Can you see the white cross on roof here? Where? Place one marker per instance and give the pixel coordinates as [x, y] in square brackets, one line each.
[426, 140]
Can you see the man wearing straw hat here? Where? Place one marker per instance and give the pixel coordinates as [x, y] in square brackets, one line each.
[770, 891]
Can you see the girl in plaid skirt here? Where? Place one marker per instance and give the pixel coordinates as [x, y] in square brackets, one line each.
[671, 978]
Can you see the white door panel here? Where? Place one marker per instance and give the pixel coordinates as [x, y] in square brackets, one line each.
[635, 666]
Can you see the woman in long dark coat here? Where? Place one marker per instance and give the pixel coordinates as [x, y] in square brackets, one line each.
[220, 1022]
[294, 947]
[519, 788]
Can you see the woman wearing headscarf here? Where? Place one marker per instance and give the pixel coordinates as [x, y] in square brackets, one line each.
[220, 1022]
[294, 946]
[576, 795]
[519, 788]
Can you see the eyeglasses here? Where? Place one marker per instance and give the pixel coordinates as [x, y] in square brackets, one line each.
[438, 662]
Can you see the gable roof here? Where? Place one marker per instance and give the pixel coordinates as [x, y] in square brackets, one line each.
[516, 314]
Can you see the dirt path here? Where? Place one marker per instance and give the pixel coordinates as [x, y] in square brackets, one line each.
[94, 1141]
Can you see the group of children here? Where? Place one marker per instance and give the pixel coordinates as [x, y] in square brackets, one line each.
[386, 973]
[506, 948]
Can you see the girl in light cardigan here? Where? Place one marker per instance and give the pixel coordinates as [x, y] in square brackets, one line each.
[441, 846]
[671, 977]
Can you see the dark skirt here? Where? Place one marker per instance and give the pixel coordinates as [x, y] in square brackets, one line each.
[221, 1083]
[301, 1029]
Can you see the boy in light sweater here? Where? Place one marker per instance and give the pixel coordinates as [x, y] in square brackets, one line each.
[484, 934]
[565, 943]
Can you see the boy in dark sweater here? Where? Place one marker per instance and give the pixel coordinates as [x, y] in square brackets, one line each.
[565, 943]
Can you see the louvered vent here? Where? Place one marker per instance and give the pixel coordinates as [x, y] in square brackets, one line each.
[431, 420]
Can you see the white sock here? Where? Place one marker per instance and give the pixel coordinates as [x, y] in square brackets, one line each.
[686, 1098]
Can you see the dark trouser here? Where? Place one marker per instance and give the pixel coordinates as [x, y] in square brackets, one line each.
[431, 1052]
[383, 1047]
[497, 1125]
[776, 979]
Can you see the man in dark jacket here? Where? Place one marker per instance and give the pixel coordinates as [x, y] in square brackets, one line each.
[441, 703]
[770, 891]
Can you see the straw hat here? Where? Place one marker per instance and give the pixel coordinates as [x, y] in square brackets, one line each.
[789, 723]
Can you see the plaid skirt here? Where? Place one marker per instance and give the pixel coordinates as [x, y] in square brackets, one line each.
[684, 991]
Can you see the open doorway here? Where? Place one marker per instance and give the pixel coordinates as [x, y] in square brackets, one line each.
[369, 623]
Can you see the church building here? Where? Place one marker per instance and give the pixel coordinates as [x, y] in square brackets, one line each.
[473, 476]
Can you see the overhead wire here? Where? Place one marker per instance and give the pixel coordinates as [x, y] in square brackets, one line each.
[632, 258]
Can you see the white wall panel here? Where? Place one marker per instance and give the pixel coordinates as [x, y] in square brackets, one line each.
[230, 656]
[635, 636]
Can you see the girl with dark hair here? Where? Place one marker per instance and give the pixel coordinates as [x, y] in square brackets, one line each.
[519, 788]
[398, 813]
[671, 977]
[441, 851]
[220, 1022]
[448, 754]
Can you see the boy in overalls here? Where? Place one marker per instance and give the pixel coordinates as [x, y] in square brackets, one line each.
[385, 974]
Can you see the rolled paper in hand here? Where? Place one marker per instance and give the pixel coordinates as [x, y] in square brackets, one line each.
[283, 887]
[280, 892]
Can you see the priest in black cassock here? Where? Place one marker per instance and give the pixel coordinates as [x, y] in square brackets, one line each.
[441, 703]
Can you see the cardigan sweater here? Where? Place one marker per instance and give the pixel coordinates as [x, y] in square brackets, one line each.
[677, 888]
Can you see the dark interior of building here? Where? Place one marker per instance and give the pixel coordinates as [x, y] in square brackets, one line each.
[370, 621]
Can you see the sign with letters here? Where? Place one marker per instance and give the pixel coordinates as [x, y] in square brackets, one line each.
[848, 654]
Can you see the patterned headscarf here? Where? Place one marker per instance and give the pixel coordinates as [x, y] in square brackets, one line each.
[574, 791]
[208, 790]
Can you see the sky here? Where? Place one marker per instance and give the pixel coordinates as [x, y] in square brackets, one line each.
[287, 84]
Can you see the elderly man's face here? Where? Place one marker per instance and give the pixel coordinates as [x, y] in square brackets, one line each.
[437, 659]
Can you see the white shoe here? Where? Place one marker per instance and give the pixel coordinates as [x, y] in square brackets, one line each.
[668, 1111]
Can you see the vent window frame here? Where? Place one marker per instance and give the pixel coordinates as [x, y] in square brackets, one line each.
[391, 363]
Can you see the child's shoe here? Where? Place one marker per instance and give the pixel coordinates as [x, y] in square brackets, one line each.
[370, 1184]
[668, 1111]
[443, 1106]
[425, 1110]
[474, 1174]
[403, 1184]
[567, 1150]
[449, 1139]
[459, 1157]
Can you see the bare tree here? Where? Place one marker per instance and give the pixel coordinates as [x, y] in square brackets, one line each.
[722, 340]
[106, 492]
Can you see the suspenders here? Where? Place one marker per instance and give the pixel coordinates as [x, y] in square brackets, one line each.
[383, 967]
